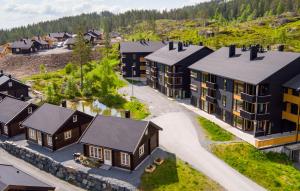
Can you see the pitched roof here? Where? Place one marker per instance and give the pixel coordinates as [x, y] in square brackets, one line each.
[59, 35]
[72, 41]
[5, 78]
[11, 176]
[40, 40]
[48, 118]
[171, 57]
[114, 132]
[9, 108]
[240, 67]
[22, 44]
[293, 83]
[95, 32]
[141, 46]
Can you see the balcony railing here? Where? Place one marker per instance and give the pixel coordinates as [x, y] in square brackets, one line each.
[263, 116]
[252, 98]
[211, 85]
[211, 99]
[247, 115]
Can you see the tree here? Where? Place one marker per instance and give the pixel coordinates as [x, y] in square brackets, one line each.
[82, 53]
[71, 90]
[52, 95]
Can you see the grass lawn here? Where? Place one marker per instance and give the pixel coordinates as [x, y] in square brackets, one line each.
[271, 170]
[214, 132]
[175, 175]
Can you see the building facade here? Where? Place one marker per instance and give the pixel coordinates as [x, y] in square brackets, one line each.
[167, 68]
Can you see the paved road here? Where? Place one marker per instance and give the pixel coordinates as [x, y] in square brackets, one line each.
[35, 172]
[182, 136]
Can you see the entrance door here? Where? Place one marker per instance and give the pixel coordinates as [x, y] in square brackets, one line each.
[39, 137]
[107, 157]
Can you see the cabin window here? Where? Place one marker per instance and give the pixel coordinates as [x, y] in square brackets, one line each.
[125, 159]
[134, 72]
[74, 118]
[95, 152]
[142, 150]
[224, 101]
[10, 84]
[29, 110]
[133, 56]
[49, 140]
[5, 129]
[32, 134]
[68, 135]
[17, 50]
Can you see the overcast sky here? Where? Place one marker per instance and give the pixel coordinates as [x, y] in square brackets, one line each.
[15, 13]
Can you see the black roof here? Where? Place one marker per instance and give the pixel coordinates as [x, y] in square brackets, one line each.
[114, 132]
[59, 35]
[72, 41]
[241, 68]
[13, 177]
[48, 118]
[293, 83]
[142, 46]
[39, 40]
[171, 57]
[22, 44]
[95, 32]
[5, 78]
[10, 108]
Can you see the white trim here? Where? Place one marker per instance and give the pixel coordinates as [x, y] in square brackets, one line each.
[98, 154]
[141, 150]
[30, 133]
[50, 140]
[67, 135]
[125, 161]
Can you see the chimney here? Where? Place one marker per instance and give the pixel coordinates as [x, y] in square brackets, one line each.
[231, 51]
[127, 114]
[244, 48]
[281, 48]
[9, 76]
[200, 43]
[22, 98]
[1, 73]
[180, 46]
[25, 41]
[171, 45]
[253, 53]
[64, 103]
[269, 47]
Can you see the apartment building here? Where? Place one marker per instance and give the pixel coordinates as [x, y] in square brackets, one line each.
[249, 89]
[133, 63]
[167, 68]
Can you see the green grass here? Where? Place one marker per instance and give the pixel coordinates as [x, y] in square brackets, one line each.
[271, 170]
[138, 110]
[175, 175]
[214, 132]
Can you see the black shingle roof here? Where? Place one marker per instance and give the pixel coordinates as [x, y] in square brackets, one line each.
[5, 78]
[114, 132]
[48, 118]
[241, 67]
[293, 83]
[141, 46]
[59, 35]
[22, 44]
[171, 57]
[9, 108]
[40, 40]
[13, 177]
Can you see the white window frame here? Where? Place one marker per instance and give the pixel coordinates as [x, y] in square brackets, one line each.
[95, 152]
[49, 140]
[146, 131]
[125, 159]
[141, 150]
[10, 84]
[29, 110]
[32, 134]
[75, 118]
[68, 134]
[5, 129]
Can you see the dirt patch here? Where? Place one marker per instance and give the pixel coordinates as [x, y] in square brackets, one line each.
[21, 66]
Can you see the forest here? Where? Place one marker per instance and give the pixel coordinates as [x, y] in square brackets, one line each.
[221, 10]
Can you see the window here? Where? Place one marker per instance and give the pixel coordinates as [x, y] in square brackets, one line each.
[237, 105]
[238, 88]
[95, 152]
[49, 140]
[134, 64]
[238, 122]
[224, 100]
[224, 115]
[5, 129]
[146, 132]
[193, 87]
[32, 134]
[225, 84]
[141, 150]
[68, 135]
[134, 72]
[134, 56]
[203, 92]
[10, 84]
[193, 74]
[204, 77]
[74, 118]
[29, 110]
[125, 159]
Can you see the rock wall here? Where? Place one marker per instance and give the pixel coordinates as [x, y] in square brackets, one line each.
[78, 178]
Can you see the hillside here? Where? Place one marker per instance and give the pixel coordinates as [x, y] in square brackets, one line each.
[269, 30]
[220, 10]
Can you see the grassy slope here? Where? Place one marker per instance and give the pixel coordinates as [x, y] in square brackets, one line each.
[271, 170]
[214, 132]
[177, 176]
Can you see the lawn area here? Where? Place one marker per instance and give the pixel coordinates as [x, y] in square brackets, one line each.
[175, 175]
[214, 132]
[271, 170]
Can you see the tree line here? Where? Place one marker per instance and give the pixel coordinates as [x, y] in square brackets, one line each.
[228, 10]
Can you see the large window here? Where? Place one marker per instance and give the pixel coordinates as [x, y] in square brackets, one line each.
[204, 77]
[95, 152]
[32, 134]
[238, 88]
[237, 105]
[238, 122]
[125, 159]
[203, 92]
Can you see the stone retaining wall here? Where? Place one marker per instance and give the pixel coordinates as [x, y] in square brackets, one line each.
[78, 178]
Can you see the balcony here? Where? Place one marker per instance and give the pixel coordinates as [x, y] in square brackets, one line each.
[290, 116]
[264, 99]
[173, 86]
[291, 99]
[252, 98]
[211, 85]
[247, 115]
[173, 74]
[262, 116]
[142, 67]
[142, 59]
[211, 99]
[193, 87]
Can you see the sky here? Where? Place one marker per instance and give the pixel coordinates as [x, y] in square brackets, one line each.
[15, 13]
